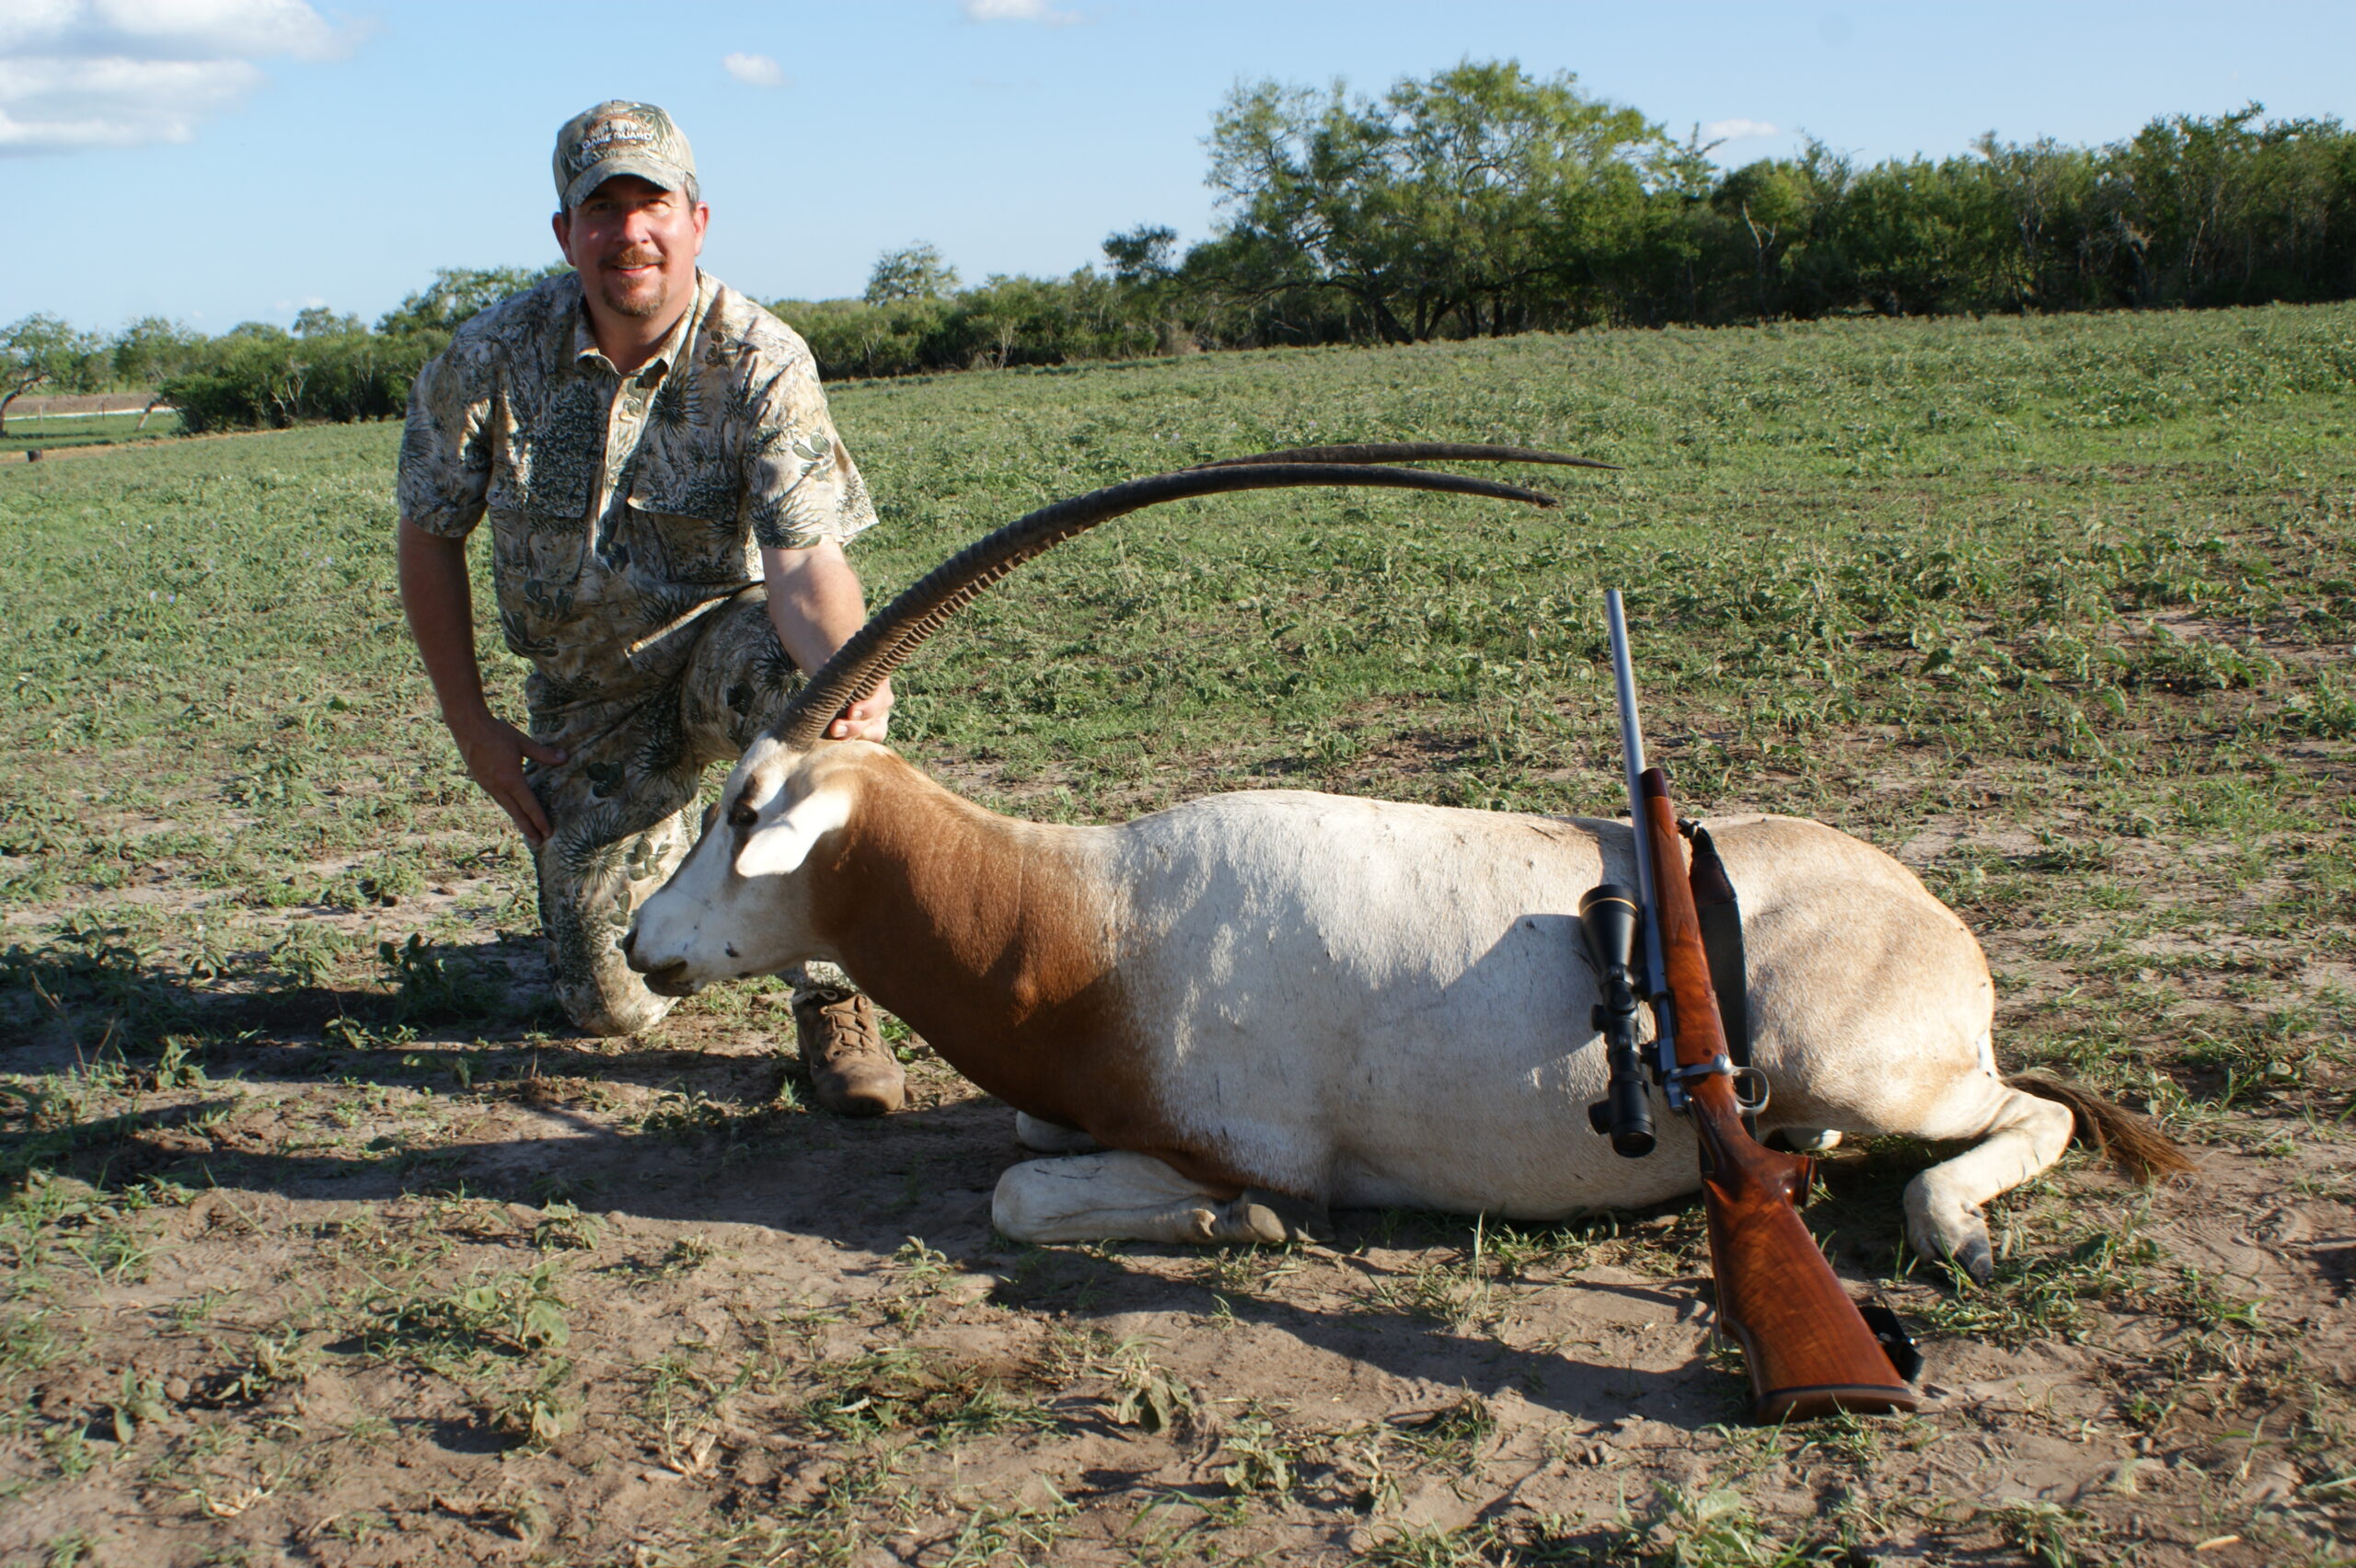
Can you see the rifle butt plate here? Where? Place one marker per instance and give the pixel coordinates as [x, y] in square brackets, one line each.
[1828, 1399]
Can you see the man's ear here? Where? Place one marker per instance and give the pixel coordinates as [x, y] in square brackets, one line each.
[778, 848]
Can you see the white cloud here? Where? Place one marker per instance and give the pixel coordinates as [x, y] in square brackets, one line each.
[48, 104]
[125, 73]
[1018, 11]
[1737, 130]
[753, 70]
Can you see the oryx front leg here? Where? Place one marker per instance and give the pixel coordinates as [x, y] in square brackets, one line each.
[1121, 1196]
[1050, 1137]
[2021, 1135]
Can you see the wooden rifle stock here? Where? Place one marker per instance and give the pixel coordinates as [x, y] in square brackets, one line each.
[1809, 1351]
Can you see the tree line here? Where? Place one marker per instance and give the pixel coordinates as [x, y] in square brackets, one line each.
[1483, 200]
[325, 367]
[1480, 201]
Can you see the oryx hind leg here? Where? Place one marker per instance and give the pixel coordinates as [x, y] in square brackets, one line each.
[2018, 1135]
[1120, 1196]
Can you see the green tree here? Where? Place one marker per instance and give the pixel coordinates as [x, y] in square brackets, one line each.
[1146, 253]
[2233, 210]
[1771, 202]
[1482, 195]
[1526, 194]
[150, 349]
[267, 377]
[2050, 256]
[915, 272]
[318, 321]
[459, 293]
[41, 350]
[1309, 185]
[1148, 300]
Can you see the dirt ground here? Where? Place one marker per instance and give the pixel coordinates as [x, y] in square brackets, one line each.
[770, 1335]
[40, 405]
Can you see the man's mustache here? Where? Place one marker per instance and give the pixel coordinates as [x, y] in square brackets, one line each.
[640, 257]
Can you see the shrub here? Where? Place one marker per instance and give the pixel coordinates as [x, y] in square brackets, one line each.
[257, 381]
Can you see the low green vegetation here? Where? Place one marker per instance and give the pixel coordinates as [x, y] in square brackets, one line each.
[54, 433]
[300, 1175]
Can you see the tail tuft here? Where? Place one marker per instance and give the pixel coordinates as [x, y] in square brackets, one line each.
[2134, 1143]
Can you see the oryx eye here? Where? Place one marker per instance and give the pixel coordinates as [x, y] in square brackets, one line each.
[742, 815]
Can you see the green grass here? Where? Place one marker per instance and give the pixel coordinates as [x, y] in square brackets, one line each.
[49, 432]
[2060, 610]
[2081, 581]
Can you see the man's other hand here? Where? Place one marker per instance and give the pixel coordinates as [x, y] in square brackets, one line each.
[866, 719]
[434, 592]
[494, 751]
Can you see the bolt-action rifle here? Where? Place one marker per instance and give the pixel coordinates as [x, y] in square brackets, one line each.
[1809, 1348]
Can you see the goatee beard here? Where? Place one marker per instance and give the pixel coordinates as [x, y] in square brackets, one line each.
[651, 303]
[625, 300]
[658, 287]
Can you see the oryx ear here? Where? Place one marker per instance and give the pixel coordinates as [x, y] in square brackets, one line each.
[779, 849]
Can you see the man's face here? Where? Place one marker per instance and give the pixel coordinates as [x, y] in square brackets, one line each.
[634, 245]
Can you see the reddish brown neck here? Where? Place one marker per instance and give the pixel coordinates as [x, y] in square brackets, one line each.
[990, 937]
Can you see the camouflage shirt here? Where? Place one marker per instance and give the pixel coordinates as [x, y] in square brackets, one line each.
[623, 508]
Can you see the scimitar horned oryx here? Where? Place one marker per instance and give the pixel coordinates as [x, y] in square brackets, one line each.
[1254, 1006]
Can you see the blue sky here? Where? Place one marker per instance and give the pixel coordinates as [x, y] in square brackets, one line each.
[226, 160]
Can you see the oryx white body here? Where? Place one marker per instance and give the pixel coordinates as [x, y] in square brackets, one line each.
[1340, 1001]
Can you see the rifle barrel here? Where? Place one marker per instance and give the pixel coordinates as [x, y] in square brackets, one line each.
[1632, 756]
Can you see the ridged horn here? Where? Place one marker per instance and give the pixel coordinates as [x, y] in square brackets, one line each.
[895, 632]
[1411, 452]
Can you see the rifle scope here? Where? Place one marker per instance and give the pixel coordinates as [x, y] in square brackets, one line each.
[1607, 919]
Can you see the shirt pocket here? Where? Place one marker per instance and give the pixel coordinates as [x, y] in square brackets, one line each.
[544, 462]
[537, 504]
[686, 537]
[682, 556]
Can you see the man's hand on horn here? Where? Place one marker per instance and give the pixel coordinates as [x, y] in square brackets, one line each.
[816, 605]
[866, 719]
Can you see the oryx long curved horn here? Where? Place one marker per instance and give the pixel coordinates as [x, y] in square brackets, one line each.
[1411, 452]
[900, 627]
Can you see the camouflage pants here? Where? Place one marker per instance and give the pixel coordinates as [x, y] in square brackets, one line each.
[622, 805]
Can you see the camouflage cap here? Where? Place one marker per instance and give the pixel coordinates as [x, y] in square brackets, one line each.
[621, 137]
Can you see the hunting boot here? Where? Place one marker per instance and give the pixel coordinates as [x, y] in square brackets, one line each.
[852, 1071]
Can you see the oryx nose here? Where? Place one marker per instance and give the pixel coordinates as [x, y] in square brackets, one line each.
[663, 980]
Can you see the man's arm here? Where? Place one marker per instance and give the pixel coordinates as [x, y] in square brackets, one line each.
[815, 604]
[439, 603]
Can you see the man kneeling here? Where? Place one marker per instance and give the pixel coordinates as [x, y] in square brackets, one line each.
[668, 504]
